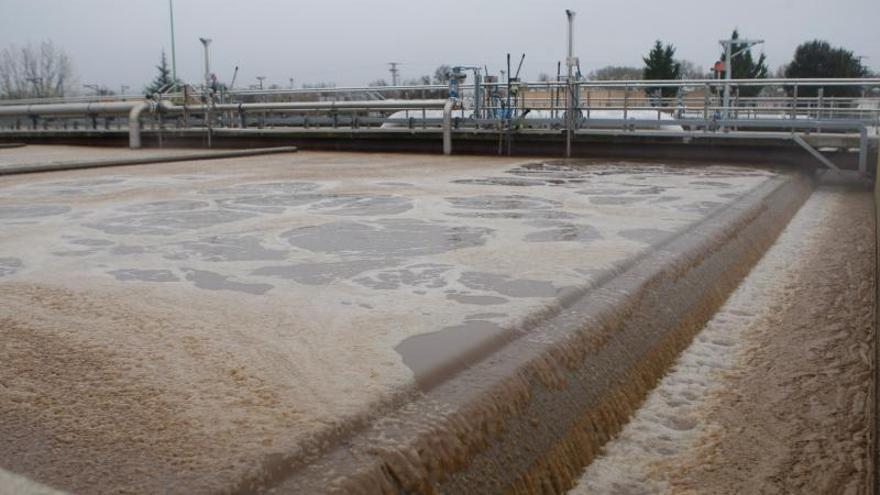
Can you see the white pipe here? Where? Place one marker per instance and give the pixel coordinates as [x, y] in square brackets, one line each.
[134, 124]
[447, 125]
[114, 107]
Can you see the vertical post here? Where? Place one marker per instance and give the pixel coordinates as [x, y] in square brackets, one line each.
[570, 63]
[173, 48]
[209, 100]
[478, 93]
[863, 151]
[706, 105]
[728, 69]
[589, 103]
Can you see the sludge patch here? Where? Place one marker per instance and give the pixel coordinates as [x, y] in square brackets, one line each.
[386, 238]
[565, 232]
[204, 279]
[10, 266]
[435, 356]
[363, 205]
[135, 274]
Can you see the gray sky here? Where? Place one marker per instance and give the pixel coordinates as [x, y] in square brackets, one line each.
[348, 42]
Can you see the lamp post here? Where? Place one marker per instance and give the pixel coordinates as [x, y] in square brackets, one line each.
[570, 62]
[209, 97]
[728, 64]
[173, 49]
[207, 42]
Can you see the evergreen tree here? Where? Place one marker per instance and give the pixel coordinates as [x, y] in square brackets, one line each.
[163, 79]
[819, 59]
[745, 67]
[661, 64]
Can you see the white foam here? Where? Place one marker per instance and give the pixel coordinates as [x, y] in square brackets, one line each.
[673, 419]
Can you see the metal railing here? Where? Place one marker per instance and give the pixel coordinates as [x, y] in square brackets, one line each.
[783, 105]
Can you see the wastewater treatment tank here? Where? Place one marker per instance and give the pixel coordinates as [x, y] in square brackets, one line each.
[357, 323]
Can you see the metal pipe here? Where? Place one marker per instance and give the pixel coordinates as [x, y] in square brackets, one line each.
[447, 125]
[134, 124]
[116, 107]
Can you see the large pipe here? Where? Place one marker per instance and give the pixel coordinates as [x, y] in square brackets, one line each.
[113, 107]
[447, 125]
[134, 124]
[134, 109]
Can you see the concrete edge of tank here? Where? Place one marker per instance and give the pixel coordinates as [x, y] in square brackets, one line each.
[530, 416]
[874, 445]
[185, 156]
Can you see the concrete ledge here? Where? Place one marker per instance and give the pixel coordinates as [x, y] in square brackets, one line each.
[115, 162]
[758, 148]
[531, 415]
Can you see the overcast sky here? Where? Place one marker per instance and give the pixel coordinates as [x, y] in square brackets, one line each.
[349, 42]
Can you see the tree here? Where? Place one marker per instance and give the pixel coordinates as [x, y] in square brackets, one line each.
[615, 73]
[441, 75]
[819, 59]
[378, 83]
[690, 70]
[745, 67]
[29, 71]
[163, 81]
[660, 64]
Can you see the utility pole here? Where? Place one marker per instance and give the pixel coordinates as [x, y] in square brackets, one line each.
[394, 71]
[173, 49]
[570, 62]
[728, 46]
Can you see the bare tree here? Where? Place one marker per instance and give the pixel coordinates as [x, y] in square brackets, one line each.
[615, 73]
[35, 71]
[690, 70]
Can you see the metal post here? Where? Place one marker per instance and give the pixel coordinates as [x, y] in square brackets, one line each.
[570, 63]
[478, 93]
[173, 49]
[208, 96]
[863, 150]
[706, 105]
[394, 72]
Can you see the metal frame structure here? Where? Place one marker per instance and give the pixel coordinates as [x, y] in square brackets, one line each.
[579, 111]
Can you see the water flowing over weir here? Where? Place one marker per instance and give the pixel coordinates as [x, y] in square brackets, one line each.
[528, 417]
